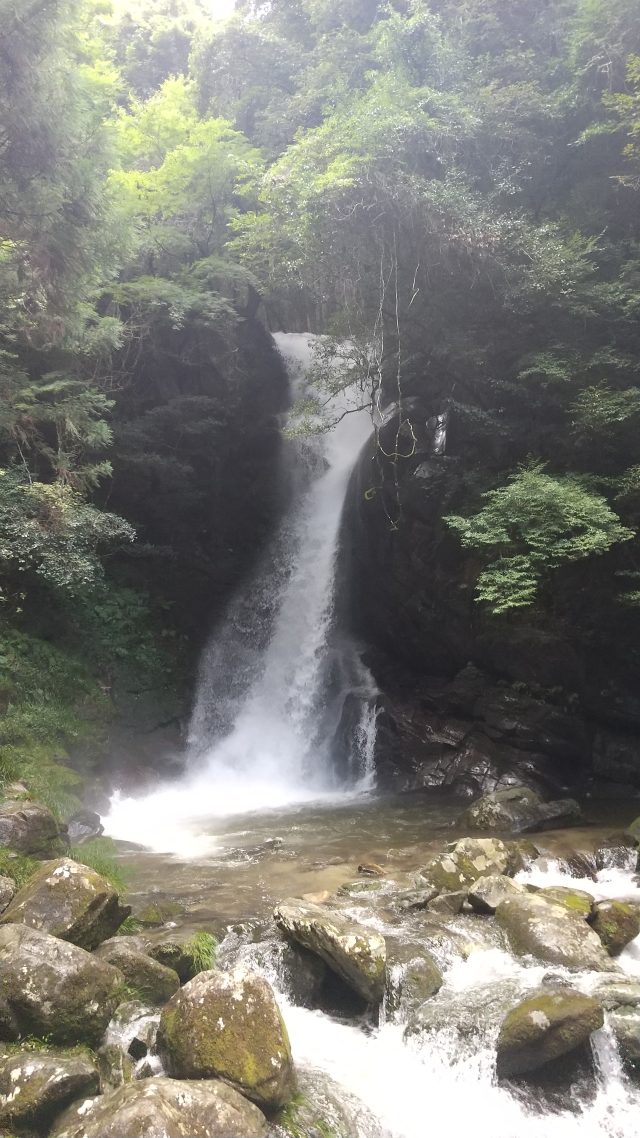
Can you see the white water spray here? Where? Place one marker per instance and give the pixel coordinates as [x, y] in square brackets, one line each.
[276, 749]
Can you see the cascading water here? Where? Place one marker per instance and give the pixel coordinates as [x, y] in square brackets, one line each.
[273, 684]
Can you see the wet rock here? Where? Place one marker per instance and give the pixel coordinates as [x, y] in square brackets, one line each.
[371, 869]
[319, 898]
[369, 885]
[616, 855]
[115, 1068]
[532, 724]
[519, 809]
[471, 1013]
[543, 1028]
[619, 991]
[83, 826]
[69, 901]
[161, 1106]
[487, 892]
[552, 933]
[152, 981]
[616, 923]
[413, 977]
[357, 954]
[303, 974]
[323, 1109]
[463, 863]
[228, 1025]
[625, 1025]
[29, 828]
[522, 854]
[576, 900]
[36, 1086]
[53, 989]
[133, 1029]
[158, 913]
[7, 891]
[449, 903]
[414, 899]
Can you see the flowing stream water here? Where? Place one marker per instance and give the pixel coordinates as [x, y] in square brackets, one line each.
[264, 812]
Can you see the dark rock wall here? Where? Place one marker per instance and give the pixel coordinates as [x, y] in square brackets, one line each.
[554, 690]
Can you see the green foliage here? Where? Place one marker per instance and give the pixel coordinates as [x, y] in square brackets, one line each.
[531, 526]
[101, 854]
[18, 867]
[203, 948]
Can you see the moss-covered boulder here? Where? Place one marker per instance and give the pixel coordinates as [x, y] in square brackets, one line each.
[518, 810]
[576, 900]
[7, 892]
[52, 989]
[463, 863]
[554, 934]
[487, 892]
[228, 1025]
[616, 923]
[164, 1107]
[356, 953]
[413, 977]
[29, 828]
[150, 980]
[35, 1086]
[544, 1027]
[70, 901]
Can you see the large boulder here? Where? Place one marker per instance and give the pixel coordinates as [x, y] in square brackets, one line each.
[36, 1086]
[324, 1109]
[617, 923]
[552, 933]
[69, 901]
[164, 1108]
[463, 863]
[544, 1027]
[29, 828]
[518, 810]
[487, 892]
[576, 900]
[150, 980]
[53, 989]
[357, 954]
[228, 1025]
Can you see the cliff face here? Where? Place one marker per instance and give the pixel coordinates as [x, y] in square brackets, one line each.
[470, 699]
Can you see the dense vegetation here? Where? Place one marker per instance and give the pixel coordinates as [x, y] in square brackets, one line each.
[452, 185]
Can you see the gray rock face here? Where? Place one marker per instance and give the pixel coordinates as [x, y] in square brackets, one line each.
[355, 953]
[164, 1108]
[228, 1025]
[463, 863]
[7, 892]
[544, 1027]
[625, 1025]
[487, 892]
[69, 901]
[552, 933]
[152, 981]
[53, 989]
[412, 978]
[85, 824]
[34, 1087]
[323, 1109]
[519, 810]
[29, 828]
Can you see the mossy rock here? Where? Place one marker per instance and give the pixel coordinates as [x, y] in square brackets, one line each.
[463, 863]
[617, 923]
[158, 1106]
[543, 1028]
[539, 927]
[185, 953]
[157, 913]
[70, 901]
[54, 990]
[149, 979]
[413, 977]
[323, 1109]
[576, 900]
[30, 828]
[228, 1026]
[34, 1087]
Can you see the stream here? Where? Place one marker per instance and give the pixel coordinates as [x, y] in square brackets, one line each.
[270, 807]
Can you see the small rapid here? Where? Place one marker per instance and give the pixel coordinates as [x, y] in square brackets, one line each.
[276, 677]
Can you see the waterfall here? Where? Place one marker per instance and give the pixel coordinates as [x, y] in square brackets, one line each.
[278, 680]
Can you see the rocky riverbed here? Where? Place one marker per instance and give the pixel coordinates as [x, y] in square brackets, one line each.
[368, 957]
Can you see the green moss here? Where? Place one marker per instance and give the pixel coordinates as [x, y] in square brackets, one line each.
[299, 1119]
